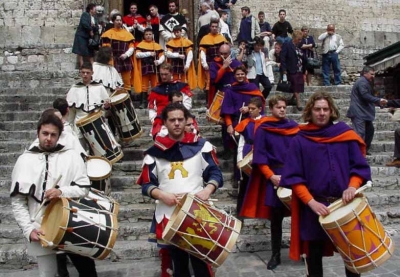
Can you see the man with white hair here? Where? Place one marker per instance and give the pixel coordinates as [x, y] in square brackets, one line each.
[206, 14]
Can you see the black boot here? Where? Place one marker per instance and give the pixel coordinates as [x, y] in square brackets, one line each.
[274, 261]
[143, 100]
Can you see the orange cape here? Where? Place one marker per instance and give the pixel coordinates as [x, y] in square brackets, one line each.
[174, 45]
[207, 41]
[143, 46]
[297, 246]
[253, 203]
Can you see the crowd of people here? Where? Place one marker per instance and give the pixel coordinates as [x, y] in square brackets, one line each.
[152, 57]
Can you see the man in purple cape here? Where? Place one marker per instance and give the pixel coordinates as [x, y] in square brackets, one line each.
[326, 162]
[271, 141]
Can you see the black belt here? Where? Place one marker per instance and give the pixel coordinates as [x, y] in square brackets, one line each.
[326, 199]
[331, 51]
[276, 166]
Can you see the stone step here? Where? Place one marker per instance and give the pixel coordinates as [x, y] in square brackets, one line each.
[11, 233]
[13, 256]
[125, 190]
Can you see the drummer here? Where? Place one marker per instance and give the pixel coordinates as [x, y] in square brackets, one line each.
[33, 176]
[271, 141]
[86, 97]
[326, 161]
[191, 163]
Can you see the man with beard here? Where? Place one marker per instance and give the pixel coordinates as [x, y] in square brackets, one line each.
[122, 45]
[169, 21]
[34, 181]
[326, 163]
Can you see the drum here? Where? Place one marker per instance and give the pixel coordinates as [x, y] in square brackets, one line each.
[285, 195]
[213, 113]
[99, 137]
[202, 230]
[85, 228]
[99, 172]
[358, 235]
[245, 164]
[124, 117]
[103, 202]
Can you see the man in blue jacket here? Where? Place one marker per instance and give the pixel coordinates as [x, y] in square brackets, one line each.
[362, 106]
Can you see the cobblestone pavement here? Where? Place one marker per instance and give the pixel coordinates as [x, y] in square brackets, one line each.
[237, 265]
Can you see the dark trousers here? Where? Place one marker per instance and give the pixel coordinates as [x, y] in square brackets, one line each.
[84, 265]
[397, 143]
[180, 260]
[277, 215]
[365, 129]
[264, 82]
[242, 191]
[314, 260]
[329, 59]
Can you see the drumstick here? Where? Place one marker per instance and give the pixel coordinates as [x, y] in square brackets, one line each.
[337, 204]
[240, 119]
[50, 243]
[233, 137]
[41, 205]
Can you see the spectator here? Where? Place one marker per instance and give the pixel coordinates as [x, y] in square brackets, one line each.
[248, 28]
[87, 28]
[293, 63]
[225, 6]
[274, 61]
[281, 28]
[265, 29]
[257, 72]
[332, 44]
[396, 162]
[224, 27]
[362, 106]
[307, 44]
[206, 14]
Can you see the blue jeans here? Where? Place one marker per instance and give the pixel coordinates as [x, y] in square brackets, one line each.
[327, 60]
[283, 39]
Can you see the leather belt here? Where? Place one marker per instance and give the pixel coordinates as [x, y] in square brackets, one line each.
[326, 199]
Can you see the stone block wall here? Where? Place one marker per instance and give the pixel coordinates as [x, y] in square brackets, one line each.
[37, 35]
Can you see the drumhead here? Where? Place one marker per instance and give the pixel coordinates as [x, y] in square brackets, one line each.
[284, 192]
[120, 97]
[98, 168]
[342, 211]
[89, 118]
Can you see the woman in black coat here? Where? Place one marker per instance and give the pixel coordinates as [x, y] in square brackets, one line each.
[293, 64]
[87, 28]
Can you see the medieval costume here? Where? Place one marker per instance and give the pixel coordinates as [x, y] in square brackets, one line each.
[208, 50]
[146, 67]
[337, 163]
[182, 46]
[121, 42]
[197, 163]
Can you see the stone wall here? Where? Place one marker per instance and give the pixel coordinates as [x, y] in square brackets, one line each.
[365, 25]
[37, 35]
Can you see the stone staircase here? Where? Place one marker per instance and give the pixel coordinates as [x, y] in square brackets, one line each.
[24, 96]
